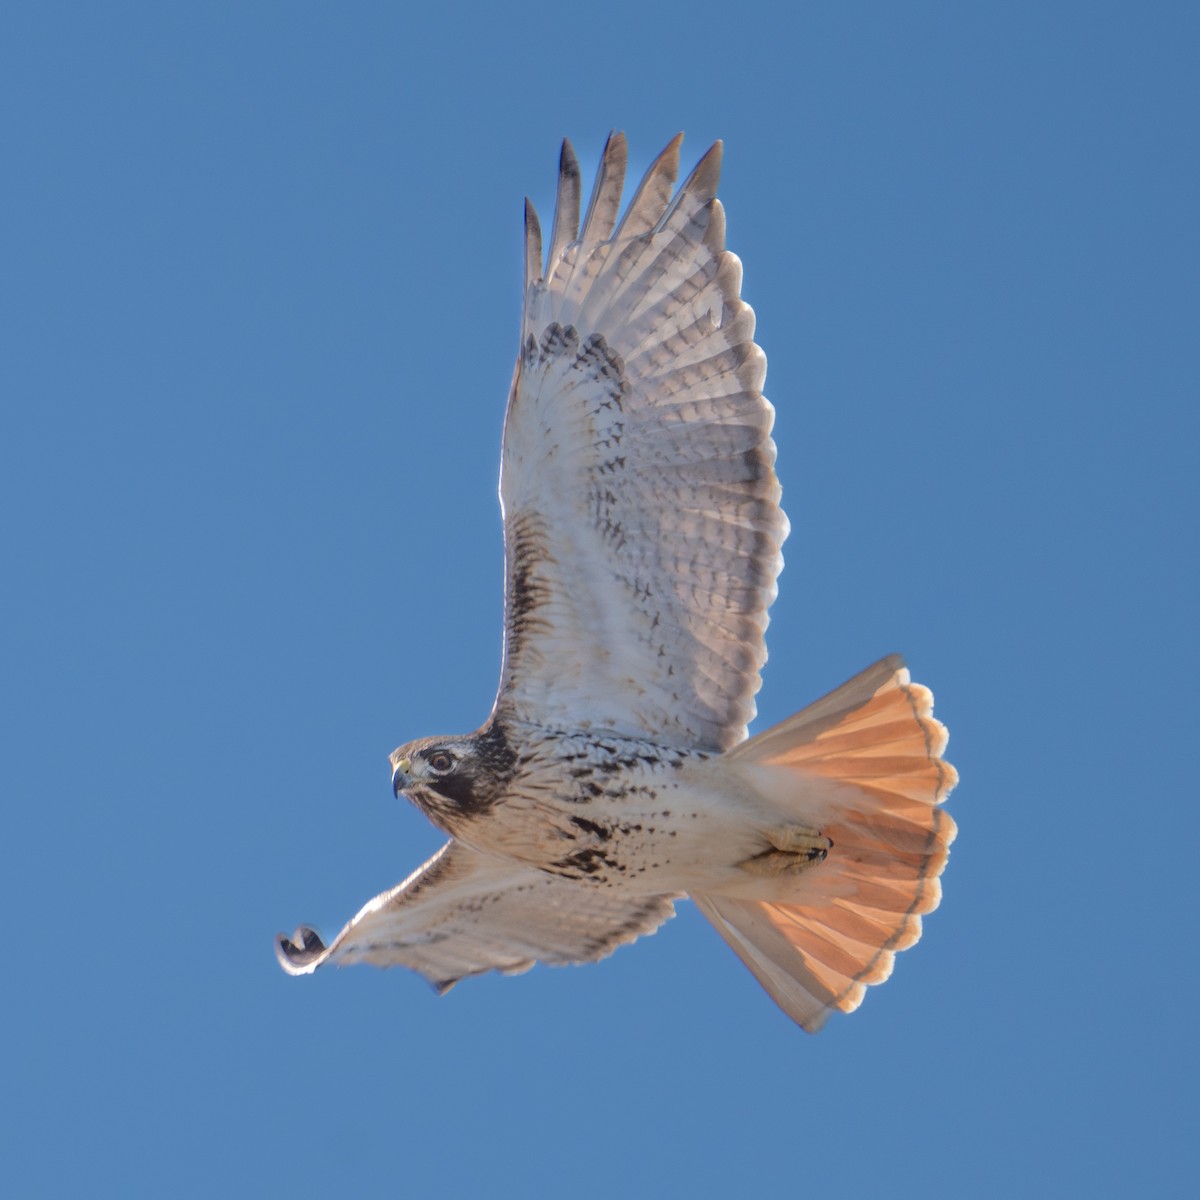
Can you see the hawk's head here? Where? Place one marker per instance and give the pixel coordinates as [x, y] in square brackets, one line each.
[451, 778]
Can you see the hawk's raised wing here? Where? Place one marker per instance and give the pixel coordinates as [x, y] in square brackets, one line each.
[642, 519]
[464, 913]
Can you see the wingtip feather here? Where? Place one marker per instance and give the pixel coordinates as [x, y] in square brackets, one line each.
[565, 229]
[302, 953]
[653, 193]
[605, 202]
[533, 246]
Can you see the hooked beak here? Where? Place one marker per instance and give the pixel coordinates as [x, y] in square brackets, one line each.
[400, 777]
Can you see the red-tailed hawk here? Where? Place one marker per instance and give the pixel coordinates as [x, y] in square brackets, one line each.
[642, 535]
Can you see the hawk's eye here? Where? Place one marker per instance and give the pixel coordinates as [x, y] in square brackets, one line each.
[441, 761]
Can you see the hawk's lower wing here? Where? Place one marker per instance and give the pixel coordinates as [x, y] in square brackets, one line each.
[463, 913]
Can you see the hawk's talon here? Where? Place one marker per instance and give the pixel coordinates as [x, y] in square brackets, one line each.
[794, 849]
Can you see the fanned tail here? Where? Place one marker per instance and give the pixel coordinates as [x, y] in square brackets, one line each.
[838, 926]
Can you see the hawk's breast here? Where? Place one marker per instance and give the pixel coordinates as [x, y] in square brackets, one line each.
[597, 808]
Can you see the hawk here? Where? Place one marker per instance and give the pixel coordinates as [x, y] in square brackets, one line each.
[642, 532]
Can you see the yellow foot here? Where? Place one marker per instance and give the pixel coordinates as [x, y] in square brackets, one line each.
[794, 848]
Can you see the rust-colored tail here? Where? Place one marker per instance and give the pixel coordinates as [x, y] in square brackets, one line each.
[837, 927]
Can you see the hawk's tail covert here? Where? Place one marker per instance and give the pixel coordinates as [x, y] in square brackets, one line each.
[877, 751]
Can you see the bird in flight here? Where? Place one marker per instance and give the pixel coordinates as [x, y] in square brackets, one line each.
[642, 531]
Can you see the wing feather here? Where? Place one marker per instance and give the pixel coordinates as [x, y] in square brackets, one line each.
[653, 193]
[533, 246]
[642, 519]
[566, 207]
[463, 913]
[605, 203]
[701, 185]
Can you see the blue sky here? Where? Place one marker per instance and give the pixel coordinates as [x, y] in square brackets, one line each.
[259, 307]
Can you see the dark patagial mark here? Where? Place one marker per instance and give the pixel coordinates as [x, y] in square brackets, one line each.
[527, 591]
